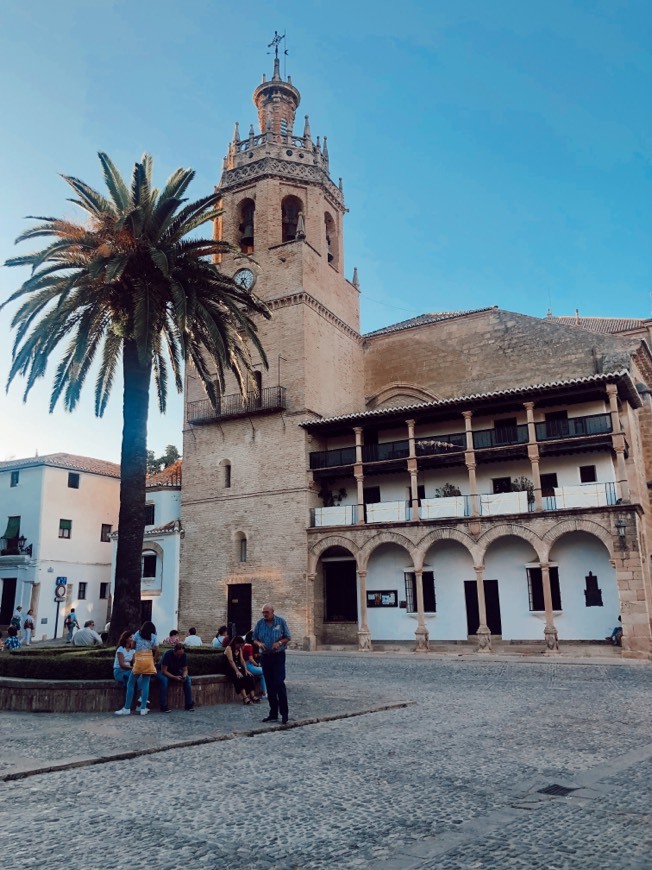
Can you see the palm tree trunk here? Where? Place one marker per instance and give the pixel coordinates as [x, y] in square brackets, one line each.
[133, 470]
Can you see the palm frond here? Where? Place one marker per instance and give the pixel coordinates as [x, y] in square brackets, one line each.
[115, 183]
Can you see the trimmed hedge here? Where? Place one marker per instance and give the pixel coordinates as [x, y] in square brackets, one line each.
[66, 663]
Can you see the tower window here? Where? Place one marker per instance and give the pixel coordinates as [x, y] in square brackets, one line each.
[225, 465]
[332, 248]
[284, 127]
[291, 208]
[149, 564]
[149, 514]
[246, 225]
[73, 480]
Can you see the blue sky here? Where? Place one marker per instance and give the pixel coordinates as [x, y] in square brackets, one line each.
[492, 153]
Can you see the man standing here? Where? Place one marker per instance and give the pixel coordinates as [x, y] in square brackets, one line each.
[28, 626]
[87, 636]
[271, 636]
[174, 666]
[17, 619]
[70, 623]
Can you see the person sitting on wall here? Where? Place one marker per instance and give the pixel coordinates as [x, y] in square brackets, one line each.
[173, 638]
[124, 658]
[174, 666]
[252, 661]
[236, 670]
[221, 639]
[12, 641]
[193, 638]
[616, 637]
[87, 636]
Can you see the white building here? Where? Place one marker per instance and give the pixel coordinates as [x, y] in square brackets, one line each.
[161, 550]
[58, 513]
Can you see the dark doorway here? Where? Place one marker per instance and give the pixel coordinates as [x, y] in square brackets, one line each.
[492, 604]
[239, 607]
[340, 591]
[146, 613]
[8, 598]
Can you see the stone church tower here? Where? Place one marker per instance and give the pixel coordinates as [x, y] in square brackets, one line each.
[246, 497]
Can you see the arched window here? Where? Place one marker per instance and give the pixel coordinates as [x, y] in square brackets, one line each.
[291, 208]
[225, 467]
[332, 246]
[246, 225]
[149, 564]
[256, 394]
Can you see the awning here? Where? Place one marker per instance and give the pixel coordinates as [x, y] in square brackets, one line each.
[13, 528]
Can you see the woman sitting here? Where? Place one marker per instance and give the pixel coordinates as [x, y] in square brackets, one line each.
[236, 670]
[252, 661]
[124, 658]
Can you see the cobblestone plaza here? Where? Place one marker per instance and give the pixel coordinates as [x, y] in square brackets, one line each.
[444, 767]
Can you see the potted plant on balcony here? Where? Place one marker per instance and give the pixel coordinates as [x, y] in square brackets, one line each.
[448, 490]
[330, 498]
[524, 484]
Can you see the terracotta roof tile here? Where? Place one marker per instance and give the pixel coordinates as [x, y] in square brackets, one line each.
[424, 319]
[604, 325]
[69, 461]
[608, 377]
[170, 476]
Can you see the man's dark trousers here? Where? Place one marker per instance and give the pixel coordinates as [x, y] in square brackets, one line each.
[163, 690]
[273, 665]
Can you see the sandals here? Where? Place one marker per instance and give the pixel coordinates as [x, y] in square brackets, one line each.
[255, 700]
[246, 701]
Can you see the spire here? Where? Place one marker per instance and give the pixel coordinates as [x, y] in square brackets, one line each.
[306, 131]
[276, 76]
[325, 151]
[236, 132]
[355, 281]
[251, 132]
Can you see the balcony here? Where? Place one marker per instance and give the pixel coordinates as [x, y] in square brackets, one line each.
[386, 452]
[500, 437]
[268, 400]
[483, 439]
[337, 515]
[585, 495]
[332, 458]
[574, 427]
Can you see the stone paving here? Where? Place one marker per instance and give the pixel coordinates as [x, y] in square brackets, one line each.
[449, 779]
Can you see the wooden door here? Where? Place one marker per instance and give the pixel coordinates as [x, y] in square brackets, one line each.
[492, 605]
[239, 607]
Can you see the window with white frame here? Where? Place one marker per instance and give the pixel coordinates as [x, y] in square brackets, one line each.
[65, 528]
[535, 588]
[429, 597]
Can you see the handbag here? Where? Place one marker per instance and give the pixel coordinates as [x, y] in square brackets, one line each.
[144, 663]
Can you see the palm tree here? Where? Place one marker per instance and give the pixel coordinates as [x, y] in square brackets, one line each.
[129, 286]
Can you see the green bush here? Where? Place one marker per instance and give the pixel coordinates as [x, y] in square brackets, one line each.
[56, 663]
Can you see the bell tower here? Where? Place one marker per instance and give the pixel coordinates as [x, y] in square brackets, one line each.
[281, 208]
[246, 492]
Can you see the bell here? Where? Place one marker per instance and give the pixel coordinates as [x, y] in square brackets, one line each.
[248, 234]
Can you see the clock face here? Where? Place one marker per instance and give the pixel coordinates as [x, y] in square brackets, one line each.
[245, 278]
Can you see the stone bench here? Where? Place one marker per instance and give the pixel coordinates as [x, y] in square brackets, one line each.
[102, 696]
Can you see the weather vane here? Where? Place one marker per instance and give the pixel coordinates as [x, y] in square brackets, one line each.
[278, 38]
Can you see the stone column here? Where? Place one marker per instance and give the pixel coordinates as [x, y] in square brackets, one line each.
[549, 632]
[533, 454]
[484, 632]
[633, 591]
[422, 632]
[358, 473]
[469, 458]
[413, 472]
[364, 635]
[310, 640]
[618, 441]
